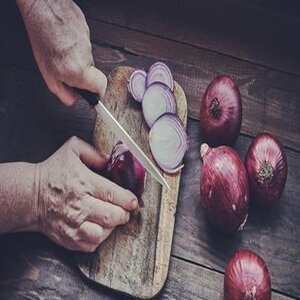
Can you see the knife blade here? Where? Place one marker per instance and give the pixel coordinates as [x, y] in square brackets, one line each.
[120, 132]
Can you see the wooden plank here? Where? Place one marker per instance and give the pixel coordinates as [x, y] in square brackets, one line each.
[145, 243]
[249, 32]
[266, 94]
[33, 267]
[273, 234]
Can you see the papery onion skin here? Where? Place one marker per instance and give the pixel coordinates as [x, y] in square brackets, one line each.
[160, 72]
[125, 170]
[267, 168]
[224, 188]
[157, 100]
[247, 277]
[137, 84]
[221, 112]
[168, 142]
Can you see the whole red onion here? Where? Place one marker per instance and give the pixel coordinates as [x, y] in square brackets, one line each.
[224, 188]
[221, 112]
[247, 277]
[266, 165]
[125, 170]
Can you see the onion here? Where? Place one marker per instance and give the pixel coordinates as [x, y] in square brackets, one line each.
[266, 165]
[168, 142]
[125, 170]
[247, 277]
[137, 84]
[224, 188]
[157, 100]
[160, 72]
[221, 112]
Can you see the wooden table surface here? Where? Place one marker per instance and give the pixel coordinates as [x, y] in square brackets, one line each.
[256, 42]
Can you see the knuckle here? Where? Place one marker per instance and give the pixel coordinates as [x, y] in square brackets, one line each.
[110, 195]
[107, 219]
[75, 69]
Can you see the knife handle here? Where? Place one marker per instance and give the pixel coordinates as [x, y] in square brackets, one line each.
[91, 98]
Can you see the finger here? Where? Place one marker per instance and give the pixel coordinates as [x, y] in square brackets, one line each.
[88, 154]
[104, 213]
[94, 80]
[108, 191]
[92, 233]
[65, 93]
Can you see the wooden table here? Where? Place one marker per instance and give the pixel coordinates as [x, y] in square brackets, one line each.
[255, 42]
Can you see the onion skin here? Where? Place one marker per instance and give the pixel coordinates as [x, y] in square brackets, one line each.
[267, 168]
[125, 170]
[247, 277]
[221, 112]
[224, 188]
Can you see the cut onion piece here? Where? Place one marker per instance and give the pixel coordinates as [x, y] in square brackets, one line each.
[157, 100]
[160, 72]
[137, 84]
[168, 142]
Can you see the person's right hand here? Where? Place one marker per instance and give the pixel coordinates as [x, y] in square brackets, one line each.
[60, 40]
[77, 208]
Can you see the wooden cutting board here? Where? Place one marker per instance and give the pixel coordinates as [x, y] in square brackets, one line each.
[135, 258]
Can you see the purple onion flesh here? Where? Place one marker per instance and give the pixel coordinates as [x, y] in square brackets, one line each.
[125, 170]
[158, 100]
[137, 84]
[160, 72]
[168, 142]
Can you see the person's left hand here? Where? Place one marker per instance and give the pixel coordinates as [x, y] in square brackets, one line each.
[60, 40]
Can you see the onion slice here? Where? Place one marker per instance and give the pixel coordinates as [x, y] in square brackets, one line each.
[157, 100]
[137, 84]
[168, 142]
[160, 72]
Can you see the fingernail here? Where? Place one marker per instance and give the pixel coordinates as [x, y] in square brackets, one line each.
[134, 204]
[127, 217]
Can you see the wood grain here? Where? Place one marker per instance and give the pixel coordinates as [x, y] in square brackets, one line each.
[32, 267]
[270, 98]
[273, 234]
[249, 32]
[135, 258]
[264, 92]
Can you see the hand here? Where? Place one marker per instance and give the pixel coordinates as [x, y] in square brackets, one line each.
[77, 208]
[60, 40]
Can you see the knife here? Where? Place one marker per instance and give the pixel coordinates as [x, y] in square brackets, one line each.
[114, 125]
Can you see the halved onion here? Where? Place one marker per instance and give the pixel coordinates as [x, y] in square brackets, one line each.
[158, 99]
[137, 84]
[168, 142]
[160, 72]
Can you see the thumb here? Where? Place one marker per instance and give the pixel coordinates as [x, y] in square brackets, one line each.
[89, 155]
[94, 80]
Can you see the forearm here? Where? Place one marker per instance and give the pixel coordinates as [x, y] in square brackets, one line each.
[19, 189]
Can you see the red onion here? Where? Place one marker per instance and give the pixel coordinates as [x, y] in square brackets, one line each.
[125, 170]
[168, 142]
[137, 84]
[160, 72]
[224, 188]
[157, 100]
[247, 277]
[221, 112]
[266, 165]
